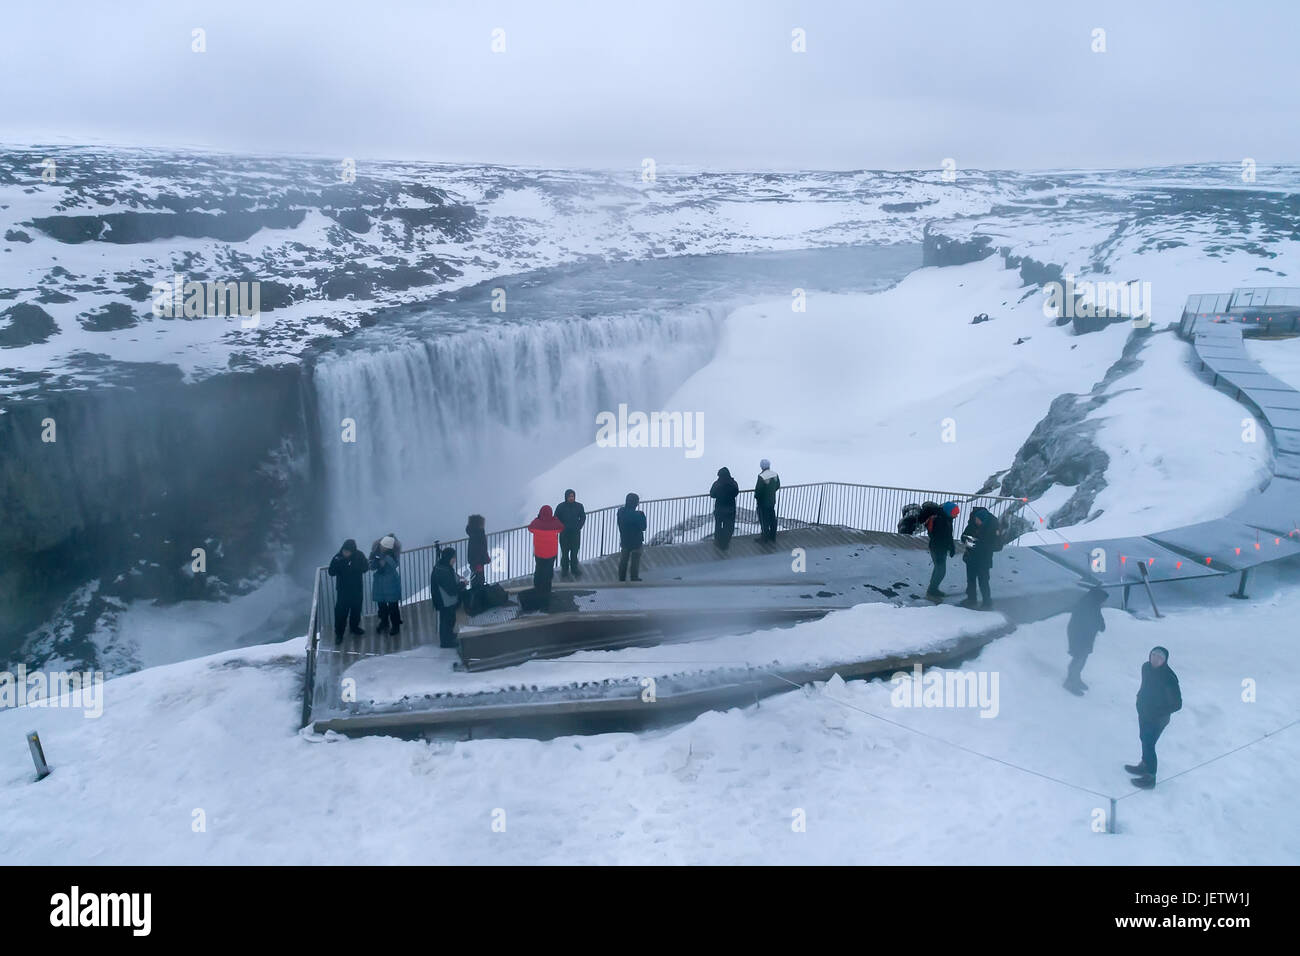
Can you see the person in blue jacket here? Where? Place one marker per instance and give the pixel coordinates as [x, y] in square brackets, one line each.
[631, 536]
[386, 583]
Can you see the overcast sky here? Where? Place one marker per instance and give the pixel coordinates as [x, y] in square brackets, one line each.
[713, 83]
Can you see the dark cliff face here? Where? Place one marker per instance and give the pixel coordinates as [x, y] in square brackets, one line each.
[136, 479]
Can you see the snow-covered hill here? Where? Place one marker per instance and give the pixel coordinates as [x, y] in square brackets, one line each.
[87, 248]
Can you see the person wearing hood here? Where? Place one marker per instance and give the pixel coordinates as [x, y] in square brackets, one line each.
[631, 537]
[573, 516]
[386, 585]
[1086, 622]
[981, 540]
[765, 489]
[938, 527]
[1158, 696]
[724, 493]
[348, 568]
[446, 588]
[546, 545]
[478, 554]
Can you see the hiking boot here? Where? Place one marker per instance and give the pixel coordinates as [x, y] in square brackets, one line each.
[338, 639]
[358, 631]
[382, 629]
[1082, 684]
[1144, 782]
[636, 579]
[986, 605]
[969, 602]
[1074, 688]
[1139, 768]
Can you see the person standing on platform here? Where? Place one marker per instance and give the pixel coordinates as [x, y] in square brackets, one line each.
[348, 568]
[724, 493]
[479, 557]
[938, 526]
[981, 540]
[631, 537]
[573, 516]
[386, 584]
[446, 588]
[765, 489]
[546, 545]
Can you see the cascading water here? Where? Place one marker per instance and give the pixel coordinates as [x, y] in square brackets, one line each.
[460, 422]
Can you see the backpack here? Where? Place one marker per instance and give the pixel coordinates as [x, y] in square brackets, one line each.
[910, 523]
[996, 532]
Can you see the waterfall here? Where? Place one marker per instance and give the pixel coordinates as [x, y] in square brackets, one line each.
[461, 422]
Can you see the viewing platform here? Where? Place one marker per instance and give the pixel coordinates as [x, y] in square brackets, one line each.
[707, 629]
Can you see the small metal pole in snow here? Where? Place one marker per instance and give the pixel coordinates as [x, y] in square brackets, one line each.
[1110, 821]
[1146, 580]
[38, 755]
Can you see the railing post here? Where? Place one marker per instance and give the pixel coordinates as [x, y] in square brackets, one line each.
[821, 493]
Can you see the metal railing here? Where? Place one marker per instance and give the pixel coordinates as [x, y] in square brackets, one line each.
[668, 521]
[1271, 310]
[313, 642]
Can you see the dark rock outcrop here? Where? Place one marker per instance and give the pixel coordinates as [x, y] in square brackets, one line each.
[25, 324]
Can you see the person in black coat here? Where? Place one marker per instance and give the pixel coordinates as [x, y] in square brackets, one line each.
[1081, 633]
[446, 588]
[938, 521]
[631, 536]
[724, 493]
[348, 568]
[573, 516]
[479, 557]
[980, 538]
[1158, 696]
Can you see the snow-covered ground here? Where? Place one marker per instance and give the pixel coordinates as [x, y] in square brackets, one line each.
[200, 762]
[1280, 357]
[864, 632]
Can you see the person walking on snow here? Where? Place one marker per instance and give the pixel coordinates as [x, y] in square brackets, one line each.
[981, 540]
[631, 536]
[386, 585]
[348, 568]
[1158, 696]
[446, 588]
[938, 526]
[1086, 622]
[724, 493]
[573, 516]
[546, 545]
[765, 490]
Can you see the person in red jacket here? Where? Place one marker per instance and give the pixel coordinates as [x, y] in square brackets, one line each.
[546, 530]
